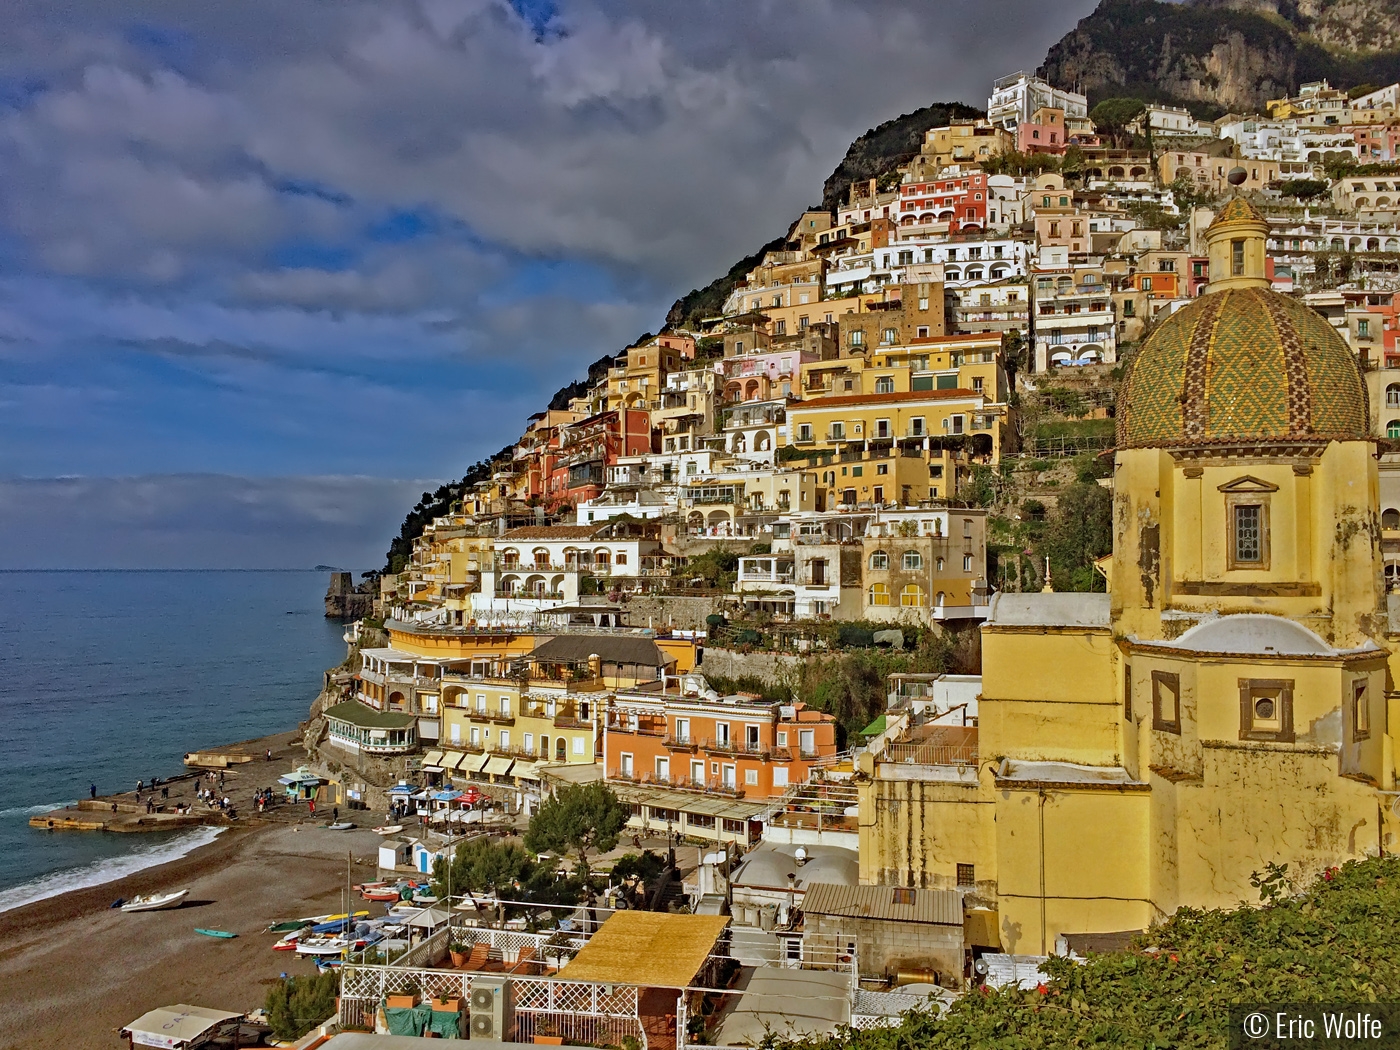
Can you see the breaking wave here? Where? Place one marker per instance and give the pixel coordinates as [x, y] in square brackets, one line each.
[106, 870]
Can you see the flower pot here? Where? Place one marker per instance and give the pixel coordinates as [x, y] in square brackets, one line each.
[407, 1002]
[459, 959]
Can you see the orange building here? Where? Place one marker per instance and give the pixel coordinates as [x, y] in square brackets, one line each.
[736, 745]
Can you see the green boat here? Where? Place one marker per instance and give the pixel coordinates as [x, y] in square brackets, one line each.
[215, 933]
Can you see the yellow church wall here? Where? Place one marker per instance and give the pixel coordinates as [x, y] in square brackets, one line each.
[1084, 851]
[1056, 731]
[1253, 807]
[1347, 541]
[918, 831]
[1069, 665]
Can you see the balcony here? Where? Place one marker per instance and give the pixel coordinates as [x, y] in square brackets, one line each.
[712, 786]
[640, 729]
[674, 742]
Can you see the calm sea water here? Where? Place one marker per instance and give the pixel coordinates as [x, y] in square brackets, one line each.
[110, 677]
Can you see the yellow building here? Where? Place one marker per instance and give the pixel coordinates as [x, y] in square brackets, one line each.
[638, 383]
[1226, 704]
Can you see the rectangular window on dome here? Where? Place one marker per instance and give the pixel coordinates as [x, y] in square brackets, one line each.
[1249, 535]
[1237, 258]
[1166, 702]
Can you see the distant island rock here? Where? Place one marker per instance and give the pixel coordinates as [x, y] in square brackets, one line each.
[328, 568]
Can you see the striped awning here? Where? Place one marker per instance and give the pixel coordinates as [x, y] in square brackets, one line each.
[472, 763]
[497, 765]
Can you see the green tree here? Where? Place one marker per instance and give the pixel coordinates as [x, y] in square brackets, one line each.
[1080, 531]
[718, 566]
[481, 864]
[1112, 116]
[299, 1004]
[1304, 189]
[582, 817]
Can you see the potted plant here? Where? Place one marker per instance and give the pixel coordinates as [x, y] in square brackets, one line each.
[459, 951]
[405, 998]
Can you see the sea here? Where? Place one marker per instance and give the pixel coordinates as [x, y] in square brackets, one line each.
[107, 677]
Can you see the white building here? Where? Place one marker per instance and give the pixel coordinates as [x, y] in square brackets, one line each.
[1016, 97]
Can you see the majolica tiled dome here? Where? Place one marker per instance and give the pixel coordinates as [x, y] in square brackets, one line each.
[1242, 364]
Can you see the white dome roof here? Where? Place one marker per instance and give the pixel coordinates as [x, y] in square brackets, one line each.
[1253, 633]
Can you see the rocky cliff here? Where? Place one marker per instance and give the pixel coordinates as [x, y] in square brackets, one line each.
[1227, 54]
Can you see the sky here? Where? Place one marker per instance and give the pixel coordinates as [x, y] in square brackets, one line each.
[267, 268]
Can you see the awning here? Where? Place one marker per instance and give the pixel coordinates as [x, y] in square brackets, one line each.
[176, 1026]
[433, 758]
[450, 761]
[496, 765]
[525, 771]
[403, 789]
[472, 763]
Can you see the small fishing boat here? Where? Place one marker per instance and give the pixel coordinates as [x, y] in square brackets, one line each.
[156, 901]
[388, 829]
[290, 925]
[344, 825]
[323, 945]
[379, 891]
[215, 933]
[289, 940]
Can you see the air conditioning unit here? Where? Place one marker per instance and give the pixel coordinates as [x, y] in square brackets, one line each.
[490, 1002]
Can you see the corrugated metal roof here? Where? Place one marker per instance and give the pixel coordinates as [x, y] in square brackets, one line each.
[941, 907]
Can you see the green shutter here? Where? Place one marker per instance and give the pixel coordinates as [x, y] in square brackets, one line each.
[922, 383]
[948, 382]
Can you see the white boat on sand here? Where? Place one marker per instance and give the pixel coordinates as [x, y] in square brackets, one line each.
[156, 901]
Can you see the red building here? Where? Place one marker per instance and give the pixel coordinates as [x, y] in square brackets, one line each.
[578, 466]
[960, 200]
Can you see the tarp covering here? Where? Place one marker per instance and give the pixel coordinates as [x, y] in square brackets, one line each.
[444, 1024]
[176, 1026]
[408, 1020]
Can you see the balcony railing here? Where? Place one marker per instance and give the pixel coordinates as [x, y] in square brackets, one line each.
[932, 754]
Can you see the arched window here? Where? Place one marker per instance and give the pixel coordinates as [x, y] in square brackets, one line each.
[940, 564]
[913, 560]
[938, 600]
[879, 594]
[561, 750]
[884, 385]
[912, 597]
[1390, 519]
[879, 560]
[1392, 396]
[1392, 429]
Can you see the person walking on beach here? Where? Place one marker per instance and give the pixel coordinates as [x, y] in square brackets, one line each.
[139, 785]
[92, 790]
[335, 814]
[311, 802]
[269, 754]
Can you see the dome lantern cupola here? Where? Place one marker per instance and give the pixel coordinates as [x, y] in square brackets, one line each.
[1237, 245]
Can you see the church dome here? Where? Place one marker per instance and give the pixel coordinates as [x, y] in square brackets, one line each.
[1242, 363]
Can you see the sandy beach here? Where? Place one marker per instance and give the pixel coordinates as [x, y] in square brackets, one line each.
[74, 970]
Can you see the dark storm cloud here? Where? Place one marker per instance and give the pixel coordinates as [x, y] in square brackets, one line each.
[371, 236]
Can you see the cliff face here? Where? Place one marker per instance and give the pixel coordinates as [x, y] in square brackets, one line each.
[1234, 54]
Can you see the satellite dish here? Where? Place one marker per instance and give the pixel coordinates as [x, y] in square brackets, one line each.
[1237, 177]
[980, 968]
